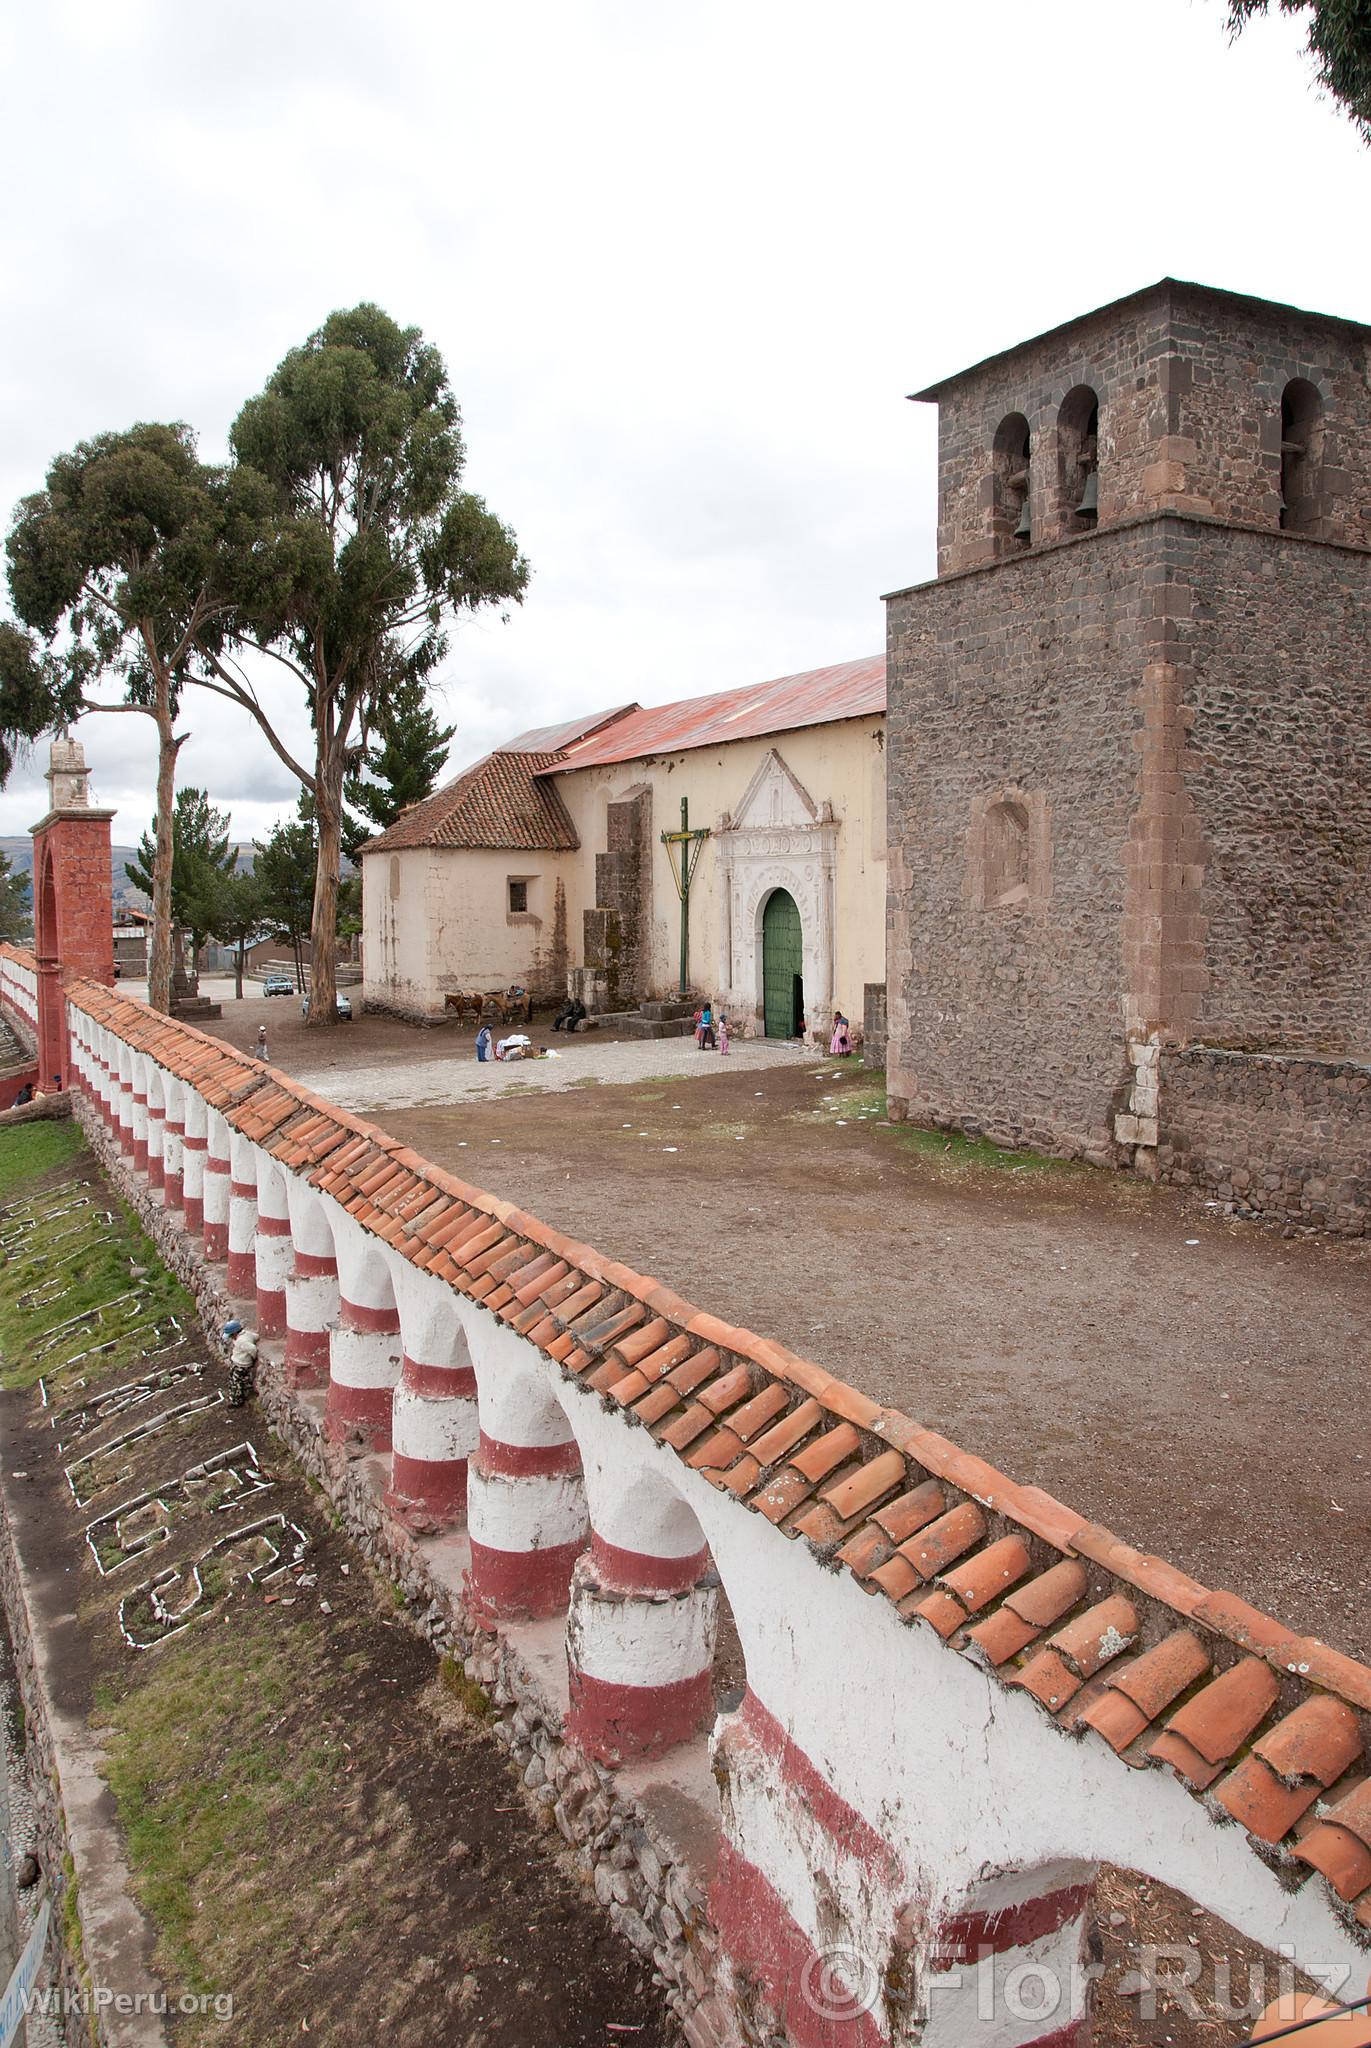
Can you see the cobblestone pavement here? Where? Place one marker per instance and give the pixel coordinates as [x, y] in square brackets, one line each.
[429, 1082]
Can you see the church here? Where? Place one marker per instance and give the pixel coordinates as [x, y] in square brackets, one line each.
[730, 846]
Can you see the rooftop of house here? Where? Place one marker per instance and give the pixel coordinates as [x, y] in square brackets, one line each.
[819, 696]
[496, 803]
[1263, 1725]
[509, 801]
[1266, 310]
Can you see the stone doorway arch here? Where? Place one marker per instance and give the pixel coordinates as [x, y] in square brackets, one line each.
[782, 947]
[778, 839]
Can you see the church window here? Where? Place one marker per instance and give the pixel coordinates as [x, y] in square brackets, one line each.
[518, 895]
[395, 878]
[1301, 509]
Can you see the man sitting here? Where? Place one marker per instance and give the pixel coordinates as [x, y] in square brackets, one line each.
[570, 1015]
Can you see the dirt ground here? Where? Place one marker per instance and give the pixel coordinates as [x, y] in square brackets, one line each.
[1195, 1382]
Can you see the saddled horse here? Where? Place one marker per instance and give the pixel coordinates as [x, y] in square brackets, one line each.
[510, 1006]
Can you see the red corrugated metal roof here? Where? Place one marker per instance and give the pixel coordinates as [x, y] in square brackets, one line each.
[850, 689]
[550, 739]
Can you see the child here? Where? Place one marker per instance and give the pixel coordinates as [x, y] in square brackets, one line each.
[841, 1044]
[723, 1032]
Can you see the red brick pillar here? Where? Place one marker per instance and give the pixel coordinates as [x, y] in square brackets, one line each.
[73, 902]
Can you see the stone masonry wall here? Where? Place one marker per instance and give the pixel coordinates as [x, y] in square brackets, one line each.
[1025, 679]
[1272, 633]
[1283, 1139]
[1189, 383]
[623, 888]
[1181, 715]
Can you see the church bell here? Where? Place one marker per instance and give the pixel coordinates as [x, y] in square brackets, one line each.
[1024, 529]
[1089, 507]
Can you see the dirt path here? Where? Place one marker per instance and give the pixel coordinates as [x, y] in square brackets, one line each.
[1195, 1382]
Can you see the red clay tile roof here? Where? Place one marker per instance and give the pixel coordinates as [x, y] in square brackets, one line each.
[497, 803]
[1267, 1727]
[821, 696]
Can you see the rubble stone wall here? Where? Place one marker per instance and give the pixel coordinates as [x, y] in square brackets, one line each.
[1283, 1138]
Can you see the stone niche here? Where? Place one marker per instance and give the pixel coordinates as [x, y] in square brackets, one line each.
[778, 838]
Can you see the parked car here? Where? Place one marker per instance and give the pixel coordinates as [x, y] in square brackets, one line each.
[343, 1005]
[279, 985]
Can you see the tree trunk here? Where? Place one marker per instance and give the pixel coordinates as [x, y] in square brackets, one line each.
[238, 953]
[159, 950]
[323, 931]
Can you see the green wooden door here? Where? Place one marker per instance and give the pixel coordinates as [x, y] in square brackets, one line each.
[782, 966]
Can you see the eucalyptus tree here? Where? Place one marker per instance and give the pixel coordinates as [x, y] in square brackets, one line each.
[400, 766]
[115, 567]
[359, 435]
[1338, 38]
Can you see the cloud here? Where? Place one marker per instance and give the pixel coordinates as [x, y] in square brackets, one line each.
[684, 266]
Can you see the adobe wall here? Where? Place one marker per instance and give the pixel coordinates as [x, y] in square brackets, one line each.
[1023, 677]
[437, 919]
[1283, 1139]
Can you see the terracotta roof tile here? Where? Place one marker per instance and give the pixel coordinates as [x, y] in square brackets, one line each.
[790, 1430]
[1339, 1843]
[900, 1519]
[499, 802]
[1210, 1728]
[818, 1459]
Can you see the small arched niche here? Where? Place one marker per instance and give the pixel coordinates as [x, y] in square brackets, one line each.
[1078, 444]
[1006, 854]
[1302, 507]
[1011, 515]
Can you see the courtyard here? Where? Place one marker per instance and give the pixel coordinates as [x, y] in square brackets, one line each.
[1177, 1374]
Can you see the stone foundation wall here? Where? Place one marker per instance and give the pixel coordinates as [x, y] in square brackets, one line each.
[1280, 1137]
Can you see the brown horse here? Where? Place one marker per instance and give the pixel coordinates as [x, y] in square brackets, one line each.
[467, 1003]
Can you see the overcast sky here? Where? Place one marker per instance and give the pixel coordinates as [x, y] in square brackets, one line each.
[683, 264]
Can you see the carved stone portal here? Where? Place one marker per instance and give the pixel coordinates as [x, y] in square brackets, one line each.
[778, 838]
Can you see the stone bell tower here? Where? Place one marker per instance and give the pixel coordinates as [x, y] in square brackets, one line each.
[73, 900]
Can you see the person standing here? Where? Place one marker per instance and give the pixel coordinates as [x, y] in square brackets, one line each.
[483, 1044]
[261, 1047]
[841, 1043]
[723, 1032]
